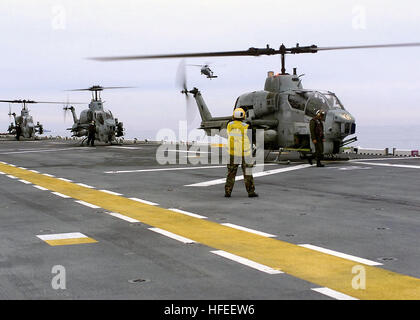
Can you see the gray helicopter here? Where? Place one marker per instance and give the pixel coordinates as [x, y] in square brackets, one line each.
[23, 125]
[108, 128]
[205, 69]
[284, 108]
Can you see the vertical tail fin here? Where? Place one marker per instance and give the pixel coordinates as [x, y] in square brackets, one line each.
[202, 107]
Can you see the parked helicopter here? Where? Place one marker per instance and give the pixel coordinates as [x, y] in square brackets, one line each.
[205, 69]
[108, 128]
[23, 125]
[284, 108]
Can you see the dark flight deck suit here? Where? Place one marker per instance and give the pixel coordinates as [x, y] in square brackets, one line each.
[91, 134]
[317, 133]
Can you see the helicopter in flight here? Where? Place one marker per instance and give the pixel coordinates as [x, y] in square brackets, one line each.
[108, 128]
[205, 69]
[23, 125]
[283, 108]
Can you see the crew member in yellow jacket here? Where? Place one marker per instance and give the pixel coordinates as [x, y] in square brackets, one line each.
[239, 150]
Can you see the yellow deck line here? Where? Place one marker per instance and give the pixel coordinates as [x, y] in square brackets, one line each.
[313, 266]
[72, 241]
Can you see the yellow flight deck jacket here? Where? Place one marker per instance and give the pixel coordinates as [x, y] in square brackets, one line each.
[238, 141]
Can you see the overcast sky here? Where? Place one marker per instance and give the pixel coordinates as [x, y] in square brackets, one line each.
[45, 43]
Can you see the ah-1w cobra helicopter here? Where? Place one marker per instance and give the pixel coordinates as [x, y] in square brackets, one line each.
[23, 125]
[284, 108]
[108, 128]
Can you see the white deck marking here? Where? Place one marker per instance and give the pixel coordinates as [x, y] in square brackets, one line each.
[34, 171]
[120, 216]
[188, 151]
[48, 175]
[334, 294]
[246, 262]
[165, 169]
[40, 188]
[61, 236]
[381, 159]
[11, 177]
[64, 179]
[188, 213]
[1, 172]
[172, 235]
[61, 195]
[341, 255]
[24, 181]
[389, 165]
[178, 168]
[22, 168]
[249, 230]
[258, 174]
[85, 185]
[121, 147]
[87, 204]
[144, 201]
[111, 192]
[46, 150]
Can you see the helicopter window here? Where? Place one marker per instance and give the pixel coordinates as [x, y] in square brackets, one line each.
[333, 101]
[89, 115]
[108, 115]
[316, 102]
[100, 118]
[297, 102]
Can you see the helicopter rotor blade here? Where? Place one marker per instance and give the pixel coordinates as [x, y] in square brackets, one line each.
[255, 52]
[374, 46]
[249, 52]
[99, 88]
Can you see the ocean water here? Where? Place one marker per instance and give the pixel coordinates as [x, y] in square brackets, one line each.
[400, 137]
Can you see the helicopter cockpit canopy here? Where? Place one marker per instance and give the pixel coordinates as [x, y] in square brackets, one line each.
[312, 101]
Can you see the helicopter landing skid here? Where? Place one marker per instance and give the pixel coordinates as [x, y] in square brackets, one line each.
[83, 141]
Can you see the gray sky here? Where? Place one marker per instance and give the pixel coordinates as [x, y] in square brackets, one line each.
[44, 44]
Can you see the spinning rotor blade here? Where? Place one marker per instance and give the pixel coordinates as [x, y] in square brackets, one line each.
[181, 81]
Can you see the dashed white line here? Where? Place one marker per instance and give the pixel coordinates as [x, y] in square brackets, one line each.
[172, 235]
[34, 171]
[40, 188]
[1, 172]
[11, 177]
[48, 175]
[144, 201]
[87, 204]
[246, 262]
[111, 192]
[64, 179]
[120, 216]
[341, 255]
[24, 181]
[188, 213]
[85, 185]
[334, 294]
[249, 230]
[61, 195]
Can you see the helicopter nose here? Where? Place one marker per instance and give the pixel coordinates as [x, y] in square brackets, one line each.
[340, 123]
